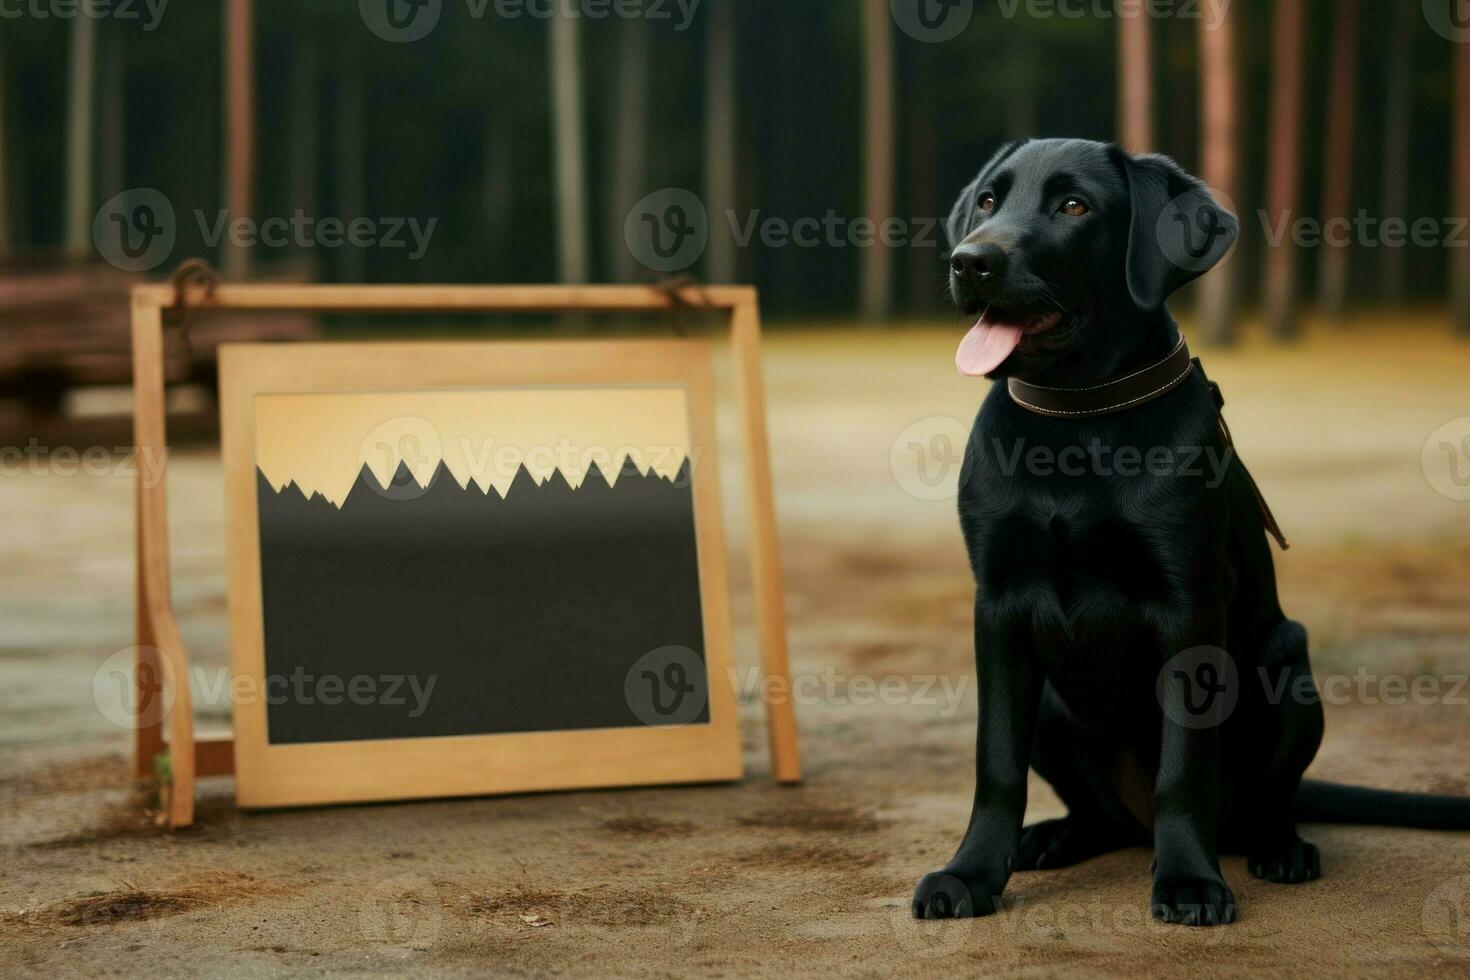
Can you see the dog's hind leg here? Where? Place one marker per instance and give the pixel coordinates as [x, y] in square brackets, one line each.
[1287, 738]
[1078, 766]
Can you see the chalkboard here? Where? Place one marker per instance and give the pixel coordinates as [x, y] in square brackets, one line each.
[472, 568]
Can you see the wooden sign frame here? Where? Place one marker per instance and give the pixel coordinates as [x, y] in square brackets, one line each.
[161, 656]
[272, 771]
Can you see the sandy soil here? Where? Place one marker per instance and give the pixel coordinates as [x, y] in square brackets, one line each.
[755, 880]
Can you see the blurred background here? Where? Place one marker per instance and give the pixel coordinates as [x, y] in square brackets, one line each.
[527, 130]
[811, 148]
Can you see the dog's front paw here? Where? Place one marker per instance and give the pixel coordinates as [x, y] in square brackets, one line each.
[947, 895]
[1191, 901]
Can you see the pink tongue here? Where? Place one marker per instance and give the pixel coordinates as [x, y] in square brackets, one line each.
[986, 345]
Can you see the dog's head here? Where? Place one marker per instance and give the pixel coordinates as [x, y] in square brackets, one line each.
[1066, 250]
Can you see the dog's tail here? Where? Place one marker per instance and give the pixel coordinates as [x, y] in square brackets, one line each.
[1320, 802]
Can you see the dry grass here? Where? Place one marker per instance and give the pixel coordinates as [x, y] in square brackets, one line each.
[601, 905]
[132, 903]
[635, 825]
[813, 817]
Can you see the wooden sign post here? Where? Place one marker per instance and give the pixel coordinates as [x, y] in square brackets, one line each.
[166, 723]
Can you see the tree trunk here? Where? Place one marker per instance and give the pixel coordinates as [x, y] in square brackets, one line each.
[1398, 124]
[630, 144]
[877, 271]
[112, 160]
[305, 126]
[1284, 167]
[1337, 180]
[1460, 274]
[79, 137]
[722, 264]
[351, 159]
[1021, 91]
[499, 193]
[239, 88]
[5, 239]
[1135, 77]
[1220, 153]
[566, 121]
[927, 272]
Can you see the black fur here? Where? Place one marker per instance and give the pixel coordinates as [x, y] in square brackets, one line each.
[1090, 581]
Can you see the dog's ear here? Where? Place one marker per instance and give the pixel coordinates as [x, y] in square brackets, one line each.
[1178, 231]
[962, 216]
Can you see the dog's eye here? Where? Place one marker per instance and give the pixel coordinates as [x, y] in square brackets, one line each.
[987, 203]
[1074, 206]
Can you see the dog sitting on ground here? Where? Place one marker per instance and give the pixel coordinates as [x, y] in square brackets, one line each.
[1129, 643]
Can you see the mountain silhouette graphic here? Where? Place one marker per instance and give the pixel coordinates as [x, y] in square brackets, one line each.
[527, 610]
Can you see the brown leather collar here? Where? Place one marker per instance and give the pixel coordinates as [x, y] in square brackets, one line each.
[1131, 390]
[1136, 388]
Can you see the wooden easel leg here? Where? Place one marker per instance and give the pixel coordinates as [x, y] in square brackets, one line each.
[155, 612]
[147, 668]
[765, 558]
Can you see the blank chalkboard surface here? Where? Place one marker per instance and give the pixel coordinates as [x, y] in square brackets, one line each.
[468, 568]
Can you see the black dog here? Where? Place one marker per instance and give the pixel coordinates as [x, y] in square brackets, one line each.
[1112, 598]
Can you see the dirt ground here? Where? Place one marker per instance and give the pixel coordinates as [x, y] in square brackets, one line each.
[752, 879]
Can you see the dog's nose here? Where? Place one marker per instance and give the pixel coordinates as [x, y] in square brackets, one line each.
[982, 262]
